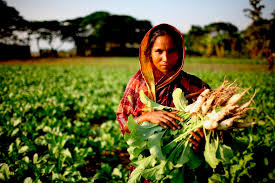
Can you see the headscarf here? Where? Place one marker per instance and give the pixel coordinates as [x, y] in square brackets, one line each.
[147, 68]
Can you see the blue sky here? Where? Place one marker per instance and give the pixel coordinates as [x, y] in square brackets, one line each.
[180, 13]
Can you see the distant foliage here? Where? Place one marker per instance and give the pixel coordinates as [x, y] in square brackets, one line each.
[104, 34]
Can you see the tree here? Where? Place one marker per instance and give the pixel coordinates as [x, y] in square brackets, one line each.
[217, 38]
[48, 31]
[101, 32]
[10, 23]
[258, 38]
[89, 33]
[194, 41]
[256, 12]
[73, 32]
[258, 35]
[224, 37]
[119, 29]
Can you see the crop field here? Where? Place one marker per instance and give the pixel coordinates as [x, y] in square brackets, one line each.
[58, 121]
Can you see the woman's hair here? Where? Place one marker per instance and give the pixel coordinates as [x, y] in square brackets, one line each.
[163, 30]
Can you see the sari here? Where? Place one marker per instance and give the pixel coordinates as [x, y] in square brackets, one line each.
[159, 91]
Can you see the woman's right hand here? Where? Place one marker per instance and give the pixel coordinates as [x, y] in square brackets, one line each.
[163, 118]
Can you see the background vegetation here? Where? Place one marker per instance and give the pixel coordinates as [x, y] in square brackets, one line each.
[57, 122]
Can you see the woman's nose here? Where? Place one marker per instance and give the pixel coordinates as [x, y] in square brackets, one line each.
[164, 56]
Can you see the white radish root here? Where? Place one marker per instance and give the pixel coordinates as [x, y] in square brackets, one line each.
[236, 98]
[226, 124]
[207, 105]
[210, 125]
[226, 111]
[201, 99]
[223, 99]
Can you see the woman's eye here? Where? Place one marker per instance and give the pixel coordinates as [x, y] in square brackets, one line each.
[159, 51]
[172, 50]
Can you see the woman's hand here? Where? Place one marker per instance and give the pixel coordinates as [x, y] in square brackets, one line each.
[197, 139]
[163, 118]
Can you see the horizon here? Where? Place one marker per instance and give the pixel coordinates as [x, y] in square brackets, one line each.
[180, 14]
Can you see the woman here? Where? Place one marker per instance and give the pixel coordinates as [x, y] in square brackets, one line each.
[161, 57]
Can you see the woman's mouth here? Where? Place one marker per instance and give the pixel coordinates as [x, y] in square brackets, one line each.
[165, 67]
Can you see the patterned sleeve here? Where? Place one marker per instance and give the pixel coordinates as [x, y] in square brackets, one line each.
[126, 107]
[129, 103]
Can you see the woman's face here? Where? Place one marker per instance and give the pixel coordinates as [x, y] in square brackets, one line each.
[164, 54]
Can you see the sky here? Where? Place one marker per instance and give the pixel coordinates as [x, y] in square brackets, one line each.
[180, 13]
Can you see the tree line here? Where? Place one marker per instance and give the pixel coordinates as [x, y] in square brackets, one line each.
[102, 33]
[224, 39]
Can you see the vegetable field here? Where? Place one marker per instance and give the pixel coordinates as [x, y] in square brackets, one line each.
[57, 123]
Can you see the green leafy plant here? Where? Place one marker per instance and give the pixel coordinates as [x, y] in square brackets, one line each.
[158, 153]
[41, 103]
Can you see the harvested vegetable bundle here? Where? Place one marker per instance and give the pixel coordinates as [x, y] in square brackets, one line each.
[162, 154]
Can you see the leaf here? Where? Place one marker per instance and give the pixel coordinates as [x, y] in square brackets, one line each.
[141, 132]
[188, 157]
[49, 169]
[17, 142]
[5, 172]
[141, 166]
[138, 139]
[179, 100]
[168, 147]
[66, 153]
[210, 151]
[14, 132]
[117, 172]
[155, 173]
[151, 104]
[35, 158]
[178, 175]
[2, 177]
[54, 176]
[23, 149]
[225, 153]
[16, 122]
[155, 144]
[215, 178]
[194, 160]
[185, 154]
[11, 148]
[47, 129]
[28, 180]
[134, 152]
[173, 155]
[26, 159]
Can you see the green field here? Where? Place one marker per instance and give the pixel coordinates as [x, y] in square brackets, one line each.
[58, 119]
[191, 64]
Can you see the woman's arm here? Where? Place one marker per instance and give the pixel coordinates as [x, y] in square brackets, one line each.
[162, 118]
[197, 139]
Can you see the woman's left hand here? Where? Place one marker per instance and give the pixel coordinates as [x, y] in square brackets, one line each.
[197, 139]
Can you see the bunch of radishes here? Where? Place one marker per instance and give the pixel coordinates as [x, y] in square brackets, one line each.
[219, 109]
